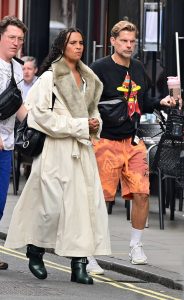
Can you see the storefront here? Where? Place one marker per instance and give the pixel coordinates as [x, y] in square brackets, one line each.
[158, 20]
[10, 7]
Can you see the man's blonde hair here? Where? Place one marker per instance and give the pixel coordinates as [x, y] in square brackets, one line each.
[122, 26]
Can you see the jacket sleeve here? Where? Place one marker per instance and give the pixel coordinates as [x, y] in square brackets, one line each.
[149, 103]
[58, 122]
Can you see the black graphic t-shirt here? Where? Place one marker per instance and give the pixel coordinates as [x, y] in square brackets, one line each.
[115, 79]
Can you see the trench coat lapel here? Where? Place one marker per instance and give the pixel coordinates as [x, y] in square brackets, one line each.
[71, 95]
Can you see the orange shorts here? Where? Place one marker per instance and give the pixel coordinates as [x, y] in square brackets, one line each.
[120, 161]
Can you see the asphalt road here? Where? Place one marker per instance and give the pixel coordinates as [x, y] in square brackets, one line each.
[18, 283]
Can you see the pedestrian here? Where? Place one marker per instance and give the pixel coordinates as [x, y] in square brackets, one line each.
[121, 156]
[12, 32]
[62, 204]
[30, 69]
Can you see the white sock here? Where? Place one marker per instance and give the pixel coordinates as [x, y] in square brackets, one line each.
[136, 235]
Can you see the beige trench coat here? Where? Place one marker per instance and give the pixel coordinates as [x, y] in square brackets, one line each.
[62, 205]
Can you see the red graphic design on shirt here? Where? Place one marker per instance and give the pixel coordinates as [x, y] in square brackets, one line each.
[133, 105]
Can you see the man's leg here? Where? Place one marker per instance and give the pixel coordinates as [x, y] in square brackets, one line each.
[140, 209]
[109, 160]
[139, 214]
[5, 170]
[135, 180]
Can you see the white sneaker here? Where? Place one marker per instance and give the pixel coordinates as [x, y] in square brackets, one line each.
[137, 256]
[93, 267]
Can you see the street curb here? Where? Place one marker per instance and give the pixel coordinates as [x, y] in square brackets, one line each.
[141, 274]
[130, 271]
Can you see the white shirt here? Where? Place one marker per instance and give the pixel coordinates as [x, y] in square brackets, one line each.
[7, 126]
[25, 87]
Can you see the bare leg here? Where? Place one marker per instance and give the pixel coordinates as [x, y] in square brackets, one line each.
[140, 208]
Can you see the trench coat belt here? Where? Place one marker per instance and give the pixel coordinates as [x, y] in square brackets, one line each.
[75, 149]
[85, 156]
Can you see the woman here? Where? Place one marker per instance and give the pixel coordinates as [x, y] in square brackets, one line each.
[62, 205]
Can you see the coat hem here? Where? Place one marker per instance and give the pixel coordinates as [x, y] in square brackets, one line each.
[66, 253]
[82, 254]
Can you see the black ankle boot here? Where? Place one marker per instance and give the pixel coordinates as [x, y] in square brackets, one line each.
[79, 274]
[36, 264]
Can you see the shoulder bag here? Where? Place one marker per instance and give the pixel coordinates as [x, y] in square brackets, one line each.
[30, 141]
[10, 99]
[115, 111]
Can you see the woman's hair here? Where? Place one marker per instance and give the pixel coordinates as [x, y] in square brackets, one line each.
[123, 26]
[58, 48]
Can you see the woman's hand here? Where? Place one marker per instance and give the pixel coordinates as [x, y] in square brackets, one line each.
[93, 125]
[171, 102]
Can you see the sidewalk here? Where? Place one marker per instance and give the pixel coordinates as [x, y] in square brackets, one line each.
[164, 248]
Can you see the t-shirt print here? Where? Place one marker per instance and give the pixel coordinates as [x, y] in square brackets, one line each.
[133, 105]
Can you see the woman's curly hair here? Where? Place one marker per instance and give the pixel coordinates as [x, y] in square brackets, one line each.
[58, 48]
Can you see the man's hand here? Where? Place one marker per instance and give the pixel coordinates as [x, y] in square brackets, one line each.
[171, 102]
[93, 125]
[1, 144]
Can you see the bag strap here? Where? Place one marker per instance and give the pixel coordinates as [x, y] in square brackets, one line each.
[20, 61]
[129, 86]
[13, 81]
[12, 73]
[53, 100]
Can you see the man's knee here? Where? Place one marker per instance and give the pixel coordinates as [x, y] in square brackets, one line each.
[141, 200]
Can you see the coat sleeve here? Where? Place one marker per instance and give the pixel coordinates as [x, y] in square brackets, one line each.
[96, 115]
[93, 109]
[56, 123]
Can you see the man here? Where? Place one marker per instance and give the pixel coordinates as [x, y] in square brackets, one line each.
[12, 32]
[29, 74]
[120, 154]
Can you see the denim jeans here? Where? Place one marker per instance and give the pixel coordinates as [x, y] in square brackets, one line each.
[5, 171]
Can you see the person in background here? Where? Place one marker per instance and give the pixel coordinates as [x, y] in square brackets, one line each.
[64, 189]
[30, 69]
[12, 32]
[120, 154]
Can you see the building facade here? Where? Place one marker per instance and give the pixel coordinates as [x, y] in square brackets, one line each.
[45, 18]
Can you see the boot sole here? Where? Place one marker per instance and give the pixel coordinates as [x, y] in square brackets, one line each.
[73, 279]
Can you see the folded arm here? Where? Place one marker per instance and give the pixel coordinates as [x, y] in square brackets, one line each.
[58, 122]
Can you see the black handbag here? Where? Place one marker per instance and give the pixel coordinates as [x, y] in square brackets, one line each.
[115, 111]
[10, 99]
[30, 141]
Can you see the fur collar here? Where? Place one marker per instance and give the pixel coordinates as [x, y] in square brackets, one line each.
[78, 103]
